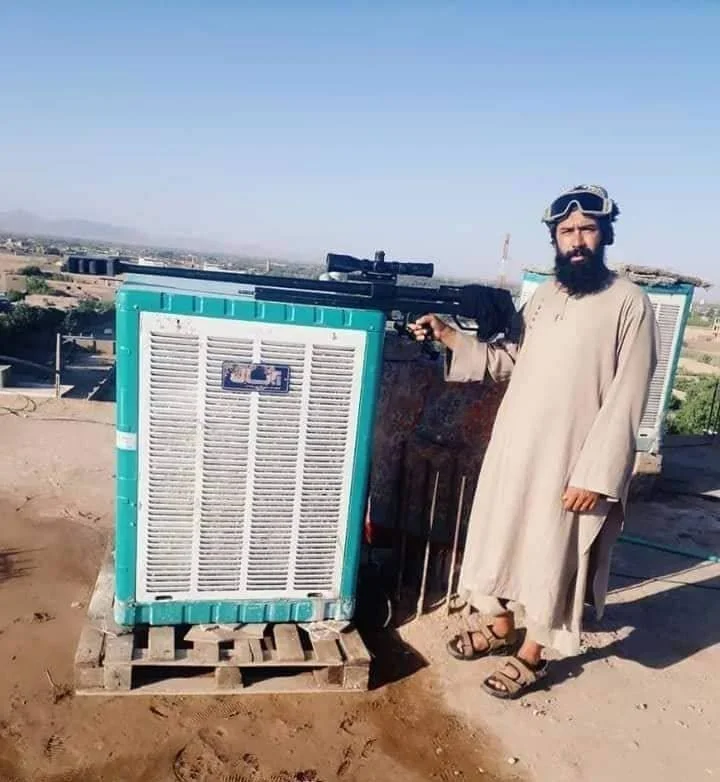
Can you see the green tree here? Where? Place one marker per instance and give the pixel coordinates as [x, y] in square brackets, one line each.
[94, 306]
[87, 314]
[32, 271]
[698, 412]
[37, 285]
[27, 326]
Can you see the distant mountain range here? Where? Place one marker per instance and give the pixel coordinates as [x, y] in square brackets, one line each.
[18, 221]
[22, 222]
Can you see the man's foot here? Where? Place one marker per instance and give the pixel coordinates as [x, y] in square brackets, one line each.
[516, 677]
[488, 640]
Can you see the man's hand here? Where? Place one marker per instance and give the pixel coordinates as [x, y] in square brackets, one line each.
[579, 500]
[431, 327]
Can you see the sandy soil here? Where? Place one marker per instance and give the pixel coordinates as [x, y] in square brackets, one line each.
[699, 341]
[642, 704]
[701, 337]
[11, 263]
[56, 511]
[689, 366]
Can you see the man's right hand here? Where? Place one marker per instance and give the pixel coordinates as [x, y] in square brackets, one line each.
[431, 327]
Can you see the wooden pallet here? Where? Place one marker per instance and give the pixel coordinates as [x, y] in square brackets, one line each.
[113, 660]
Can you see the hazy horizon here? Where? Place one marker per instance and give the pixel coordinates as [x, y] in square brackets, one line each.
[427, 131]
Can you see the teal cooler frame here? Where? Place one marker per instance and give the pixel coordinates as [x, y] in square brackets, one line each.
[132, 300]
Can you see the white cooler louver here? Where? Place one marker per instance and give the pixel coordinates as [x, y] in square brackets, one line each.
[243, 495]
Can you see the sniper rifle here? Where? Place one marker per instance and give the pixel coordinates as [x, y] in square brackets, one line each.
[348, 282]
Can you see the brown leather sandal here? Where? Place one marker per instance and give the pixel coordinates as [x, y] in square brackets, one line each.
[516, 678]
[461, 646]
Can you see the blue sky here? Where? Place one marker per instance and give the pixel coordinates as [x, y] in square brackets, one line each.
[428, 129]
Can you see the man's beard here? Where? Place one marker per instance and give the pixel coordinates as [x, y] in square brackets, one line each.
[582, 277]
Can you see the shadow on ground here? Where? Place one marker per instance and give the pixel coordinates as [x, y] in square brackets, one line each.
[376, 618]
[14, 563]
[658, 630]
[665, 629]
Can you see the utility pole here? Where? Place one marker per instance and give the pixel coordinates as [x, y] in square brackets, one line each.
[503, 260]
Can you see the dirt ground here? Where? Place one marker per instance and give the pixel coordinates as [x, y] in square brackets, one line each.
[690, 366]
[56, 490]
[699, 342]
[642, 704]
[701, 336]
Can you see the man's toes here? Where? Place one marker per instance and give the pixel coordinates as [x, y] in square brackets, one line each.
[496, 684]
[478, 638]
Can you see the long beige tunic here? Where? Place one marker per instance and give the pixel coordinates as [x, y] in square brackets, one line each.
[579, 372]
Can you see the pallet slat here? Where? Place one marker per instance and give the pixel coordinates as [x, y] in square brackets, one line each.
[242, 653]
[356, 671]
[299, 684]
[252, 631]
[288, 647]
[205, 652]
[256, 650]
[90, 647]
[327, 651]
[116, 665]
[355, 677]
[88, 672]
[190, 658]
[161, 643]
[100, 607]
[354, 648]
[119, 650]
[228, 678]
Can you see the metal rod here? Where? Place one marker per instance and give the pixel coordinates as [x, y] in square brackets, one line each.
[401, 564]
[398, 527]
[453, 559]
[58, 348]
[423, 582]
[404, 533]
[708, 427]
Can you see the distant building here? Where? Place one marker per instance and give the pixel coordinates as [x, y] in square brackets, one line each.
[100, 265]
[142, 261]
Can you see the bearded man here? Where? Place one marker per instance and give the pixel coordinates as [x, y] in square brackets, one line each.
[551, 493]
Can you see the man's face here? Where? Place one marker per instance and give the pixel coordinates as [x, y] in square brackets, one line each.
[580, 254]
[578, 236]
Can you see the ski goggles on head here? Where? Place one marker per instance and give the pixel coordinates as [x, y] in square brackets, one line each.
[588, 202]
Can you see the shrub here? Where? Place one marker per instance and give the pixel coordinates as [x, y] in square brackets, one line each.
[698, 413]
[32, 271]
[27, 326]
[37, 285]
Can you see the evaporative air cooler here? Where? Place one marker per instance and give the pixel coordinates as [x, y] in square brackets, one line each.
[671, 298]
[243, 431]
